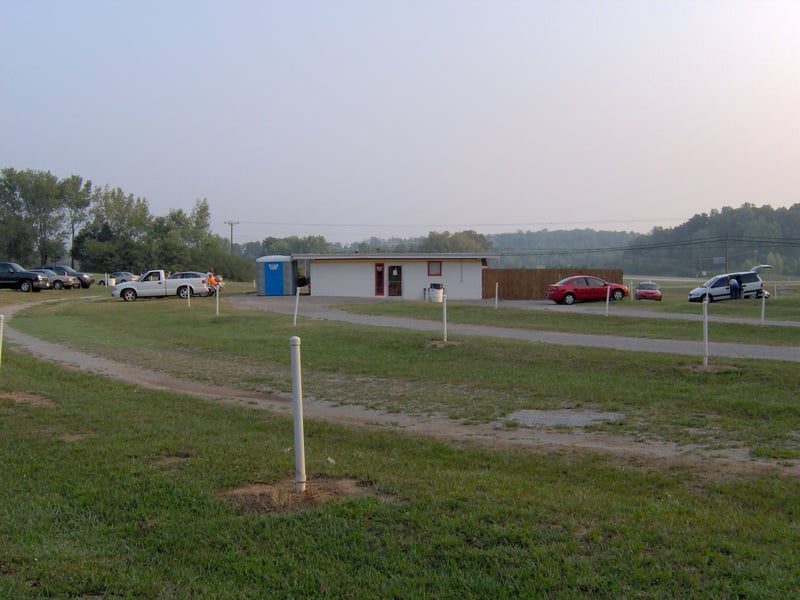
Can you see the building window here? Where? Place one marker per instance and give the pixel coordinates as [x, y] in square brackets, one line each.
[434, 268]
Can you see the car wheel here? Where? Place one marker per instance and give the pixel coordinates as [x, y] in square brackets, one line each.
[129, 295]
[569, 299]
[25, 286]
[617, 295]
[709, 298]
[57, 285]
[183, 291]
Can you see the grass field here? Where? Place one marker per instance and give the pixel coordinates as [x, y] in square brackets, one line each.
[111, 490]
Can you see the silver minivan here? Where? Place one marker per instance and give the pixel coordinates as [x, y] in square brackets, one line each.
[719, 286]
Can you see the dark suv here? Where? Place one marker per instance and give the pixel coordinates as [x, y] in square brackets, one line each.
[14, 277]
[86, 279]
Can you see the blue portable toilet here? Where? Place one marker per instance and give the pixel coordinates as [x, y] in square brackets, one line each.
[274, 276]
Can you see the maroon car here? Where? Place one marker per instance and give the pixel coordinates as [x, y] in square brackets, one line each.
[584, 288]
[647, 290]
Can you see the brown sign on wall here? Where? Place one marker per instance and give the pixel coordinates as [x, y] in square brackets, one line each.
[530, 284]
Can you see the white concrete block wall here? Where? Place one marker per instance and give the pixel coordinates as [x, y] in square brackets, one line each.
[461, 278]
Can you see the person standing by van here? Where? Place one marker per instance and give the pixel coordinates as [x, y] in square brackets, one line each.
[736, 288]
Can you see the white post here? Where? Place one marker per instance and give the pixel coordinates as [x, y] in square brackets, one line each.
[608, 298]
[705, 331]
[296, 306]
[297, 406]
[444, 316]
[2, 319]
[189, 296]
[496, 293]
[763, 307]
[216, 298]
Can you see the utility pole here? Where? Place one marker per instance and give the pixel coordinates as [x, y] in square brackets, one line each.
[231, 223]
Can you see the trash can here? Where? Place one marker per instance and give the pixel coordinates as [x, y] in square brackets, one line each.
[436, 292]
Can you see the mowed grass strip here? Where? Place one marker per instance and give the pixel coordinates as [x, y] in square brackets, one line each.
[111, 490]
[621, 320]
[736, 404]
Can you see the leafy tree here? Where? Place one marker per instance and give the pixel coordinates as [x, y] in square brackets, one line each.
[31, 199]
[115, 238]
[16, 236]
[313, 244]
[76, 196]
[463, 241]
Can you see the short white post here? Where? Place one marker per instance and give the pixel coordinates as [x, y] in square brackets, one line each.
[2, 319]
[216, 298]
[296, 307]
[705, 331]
[496, 293]
[444, 316]
[297, 406]
[763, 307]
[189, 296]
[608, 298]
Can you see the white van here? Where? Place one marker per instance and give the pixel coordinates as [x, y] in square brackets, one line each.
[719, 286]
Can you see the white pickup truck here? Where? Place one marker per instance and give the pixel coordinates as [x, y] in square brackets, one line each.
[155, 284]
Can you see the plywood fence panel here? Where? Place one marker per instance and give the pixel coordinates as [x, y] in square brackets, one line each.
[531, 284]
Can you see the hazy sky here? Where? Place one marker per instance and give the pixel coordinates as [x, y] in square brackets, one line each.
[394, 118]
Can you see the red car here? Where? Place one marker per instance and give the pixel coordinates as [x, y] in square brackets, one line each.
[647, 290]
[583, 288]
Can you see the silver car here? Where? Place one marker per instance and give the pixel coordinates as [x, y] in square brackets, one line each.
[58, 281]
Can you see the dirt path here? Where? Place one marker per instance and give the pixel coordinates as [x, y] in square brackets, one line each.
[533, 431]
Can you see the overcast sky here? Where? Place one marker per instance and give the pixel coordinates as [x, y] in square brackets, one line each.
[349, 119]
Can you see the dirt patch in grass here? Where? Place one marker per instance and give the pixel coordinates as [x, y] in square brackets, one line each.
[712, 368]
[283, 496]
[25, 398]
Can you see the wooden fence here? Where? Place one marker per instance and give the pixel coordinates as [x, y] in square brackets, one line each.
[531, 284]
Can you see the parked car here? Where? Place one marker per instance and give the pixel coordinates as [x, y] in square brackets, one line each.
[59, 282]
[15, 277]
[719, 287]
[156, 284]
[85, 279]
[119, 277]
[584, 288]
[647, 290]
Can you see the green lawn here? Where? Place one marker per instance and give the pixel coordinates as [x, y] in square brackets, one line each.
[112, 490]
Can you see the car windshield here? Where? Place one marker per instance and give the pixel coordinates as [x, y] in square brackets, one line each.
[564, 281]
[648, 286]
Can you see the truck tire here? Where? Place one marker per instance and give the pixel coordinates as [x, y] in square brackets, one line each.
[128, 294]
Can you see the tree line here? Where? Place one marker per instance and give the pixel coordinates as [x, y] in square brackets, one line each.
[44, 219]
